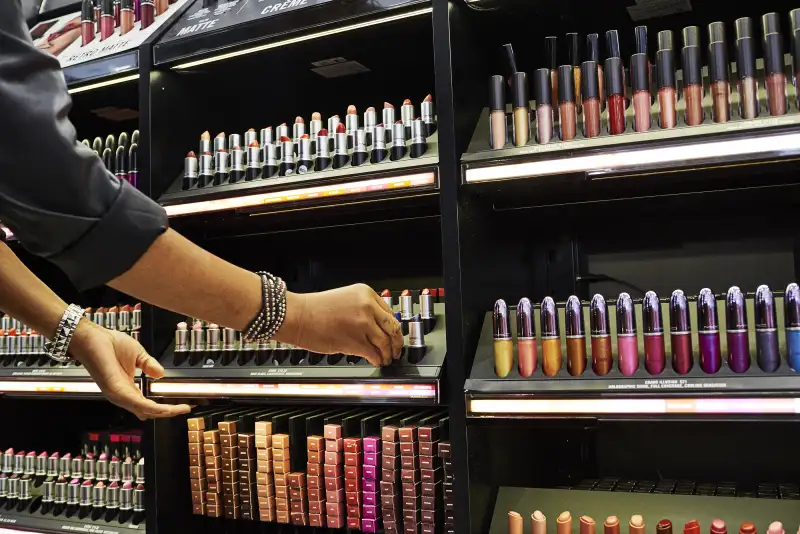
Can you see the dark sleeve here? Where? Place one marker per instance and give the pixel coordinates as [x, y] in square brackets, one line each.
[55, 194]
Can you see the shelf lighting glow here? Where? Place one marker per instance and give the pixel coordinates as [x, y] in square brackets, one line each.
[302, 38]
[367, 390]
[20, 386]
[12, 531]
[540, 406]
[105, 83]
[642, 159]
[309, 193]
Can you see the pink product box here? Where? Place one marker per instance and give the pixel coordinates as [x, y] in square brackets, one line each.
[371, 498]
[371, 444]
[372, 458]
[370, 472]
[370, 512]
[370, 525]
[370, 484]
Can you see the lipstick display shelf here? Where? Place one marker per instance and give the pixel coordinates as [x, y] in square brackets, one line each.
[35, 517]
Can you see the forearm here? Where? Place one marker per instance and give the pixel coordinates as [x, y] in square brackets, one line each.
[25, 297]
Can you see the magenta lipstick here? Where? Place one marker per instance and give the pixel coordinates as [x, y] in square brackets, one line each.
[680, 333]
[627, 344]
[398, 150]
[305, 160]
[388, 120]
[238, 169]
[768, 356]
[655, 359]
[379, 151]
[708, 332]
[419, 143]
[269, 163]
[737, 333]
[340, 154]
[428, 116]
[526, 338]
[287, 165]
[323, 159]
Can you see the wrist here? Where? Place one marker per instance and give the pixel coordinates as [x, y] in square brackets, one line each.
[291, 329]
[81, 339]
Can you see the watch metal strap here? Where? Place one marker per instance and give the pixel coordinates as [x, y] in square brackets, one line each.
[58, 346]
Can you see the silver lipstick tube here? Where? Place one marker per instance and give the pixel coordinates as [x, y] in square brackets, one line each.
[206, 170]
[125, 498]
[269, 155]
[3, 345]
[213, 341]
[127, 471]
[111, 321]
[113, 470]
[281, 131]
[124, 321]
[298, 131]
[23, 344]
[99, 318]
[427, 113]
[221, 162]
[205, 146]
[388, 121]
[360, 148]
[340, 145]
[99, 497]
[407, 114]
[370, 120]
[230, 339]
[305, 159]
[19, 464]
[5, 323]
[237, 160]
[65, 467]
[253, 157]
[112, 498]
[30, 465]
[235, 140]
[316, 126]
[3, 486]
[52, 466]
[88, 469]
[219, 144]
[24, 488]
[102, 469]
[41, 466]
[287, 165]
[72, 493]
[48, 491]
[189, 172]
[36, 344]
[426, 310]
[138, 500]
[13, 487]
[60, 493]
[398, 134]
[181, 340]
[417, 131]
[12, 345]
[333, 123]
[265, 135]
[86, 495]
[351, 124]
[197, 340]
[138, 471]
[406, 307]
[136, 319]
[249, 137]
[323, 148]
[388, 301]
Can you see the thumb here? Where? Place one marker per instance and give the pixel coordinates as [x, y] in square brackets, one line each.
[149, 365]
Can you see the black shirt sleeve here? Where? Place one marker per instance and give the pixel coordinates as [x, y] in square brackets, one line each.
[55, 194]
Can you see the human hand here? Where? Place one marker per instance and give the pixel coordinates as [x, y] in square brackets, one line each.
[351, 320]
[111, 358]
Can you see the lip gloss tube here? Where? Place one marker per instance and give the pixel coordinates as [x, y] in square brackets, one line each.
[602, 357]
[627, 344]
[574, 59]
[593, 54]
[87, 22]
[498, 131]
[791, 313]
[720, 82]
[738, 339]
[708, 332]
[522, 112]
[566, 102]
[526, 338]
[576, 337]
[655, 358]
[107, 20]
[640, 82]
[680, 333]
[613, 50]
[590, 90]
[551, 53]
[551, 340]
[615, 95]
[147, 10]
[667, 94]
[692, 85]
[503, 345]
[768, 356]
[544, 106]
[747, 82]
[775, 77]
[796, 63]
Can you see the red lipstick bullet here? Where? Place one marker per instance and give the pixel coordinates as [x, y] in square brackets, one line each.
[323, 152]
[340, 155]
[692, 527]
[718, 527]
[87, 22]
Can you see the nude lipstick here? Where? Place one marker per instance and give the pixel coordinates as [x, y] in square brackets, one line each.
[515, 525]
[147, 13]
[407, 115]
[498, 132]
[398, 150]
[379, 151]
[576, 336]
[708, 332]
[564, 519]
[791, 312]
[602, 358]
[627, 345]
[287, 165]
[692, 85]
[526, 338]
[106, 20]
[774, 71]
[592, 106]
[737, 334]
[126, 17]
[428, 115]
[323, 158]
[87, 22]
[305, 160]
[615, 95]
[636, 525]
[503, 344]
[680, 333]
[768, 356]
[544, 106]
[667, 93]
[720, 81]
[189, 171]
[587, 525]
[611, 525]
[747, 83]
[551, 340]
[655, 359]
[521, 111]
[340, 155]
[238, 170]
[419, 143]
[566, 103]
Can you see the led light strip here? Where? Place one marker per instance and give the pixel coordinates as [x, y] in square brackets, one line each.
[741, 406]
[325, 191]
[12, 531]
[363, 389]
[302, 38]
[643, 158]
[105, 83]
[20, 386]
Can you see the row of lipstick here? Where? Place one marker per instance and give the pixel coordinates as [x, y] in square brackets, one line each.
[57, 484]
[274, 152]
[120, 156]
[103, 16]
[768, 355]
[636, 525]
[592, 89]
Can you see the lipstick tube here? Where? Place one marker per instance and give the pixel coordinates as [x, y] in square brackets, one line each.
[133, 165]
[106, 19]
[590, 91]
[52, 465]
[221, 167]
[86, 493]
[576, 335]
[340, 154]
[205, 142]
[87, 22]
[640, 34]
[269, 167]
[426, 309]
[544, 105]
[615, 95]
[305, 159]
[737, 333]
[64, 465]
[680, 333]
[708, 332]
[351, 125]
[298, 130]
[515, 525]
[640, 84]
[692, 85]
[281, 131]
[602, 357]
[61, 491]
[627, 344]
[775, 76]
[428, 115]
[551, 340]
[498, 131]
[791, 313]
[666, 41]
[237, 172]
[407, 115]
[593, 54]
[189, 172]
[526, 338]
[574, 59]
[97, 15]
[398, 150]
[181, 338]
[747, 83]
[379, 151]
[587, 525]
[388, 119]
[250, 135]
[206, 175]
[611, 525]
[419, 143]
[655, 359]
[126, 496]
[126, 17]
[719, 80]
[219, 142]
[551, 53]
[323, 153]
[566, 103]
[147, 13]
[121, 164]
[77, 467]
[768, 356]
[667, 94]
[370, 120]
[416, 341]
[287, 164]
[521, 111]
[108, 159]
[796, 63]
[235, 140]
[265, 135]
[503, 345]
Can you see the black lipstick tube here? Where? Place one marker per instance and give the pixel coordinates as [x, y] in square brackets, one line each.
[133, 165]
[206, 175]
[359, 148]
[398, 150]
[323, 159]
[379, 151]
[287, 165]
[340, 154]
[237, 165]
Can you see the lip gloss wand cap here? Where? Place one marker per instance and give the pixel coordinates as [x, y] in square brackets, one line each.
[497, 93]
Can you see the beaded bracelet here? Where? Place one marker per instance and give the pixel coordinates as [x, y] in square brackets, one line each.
[273, 309]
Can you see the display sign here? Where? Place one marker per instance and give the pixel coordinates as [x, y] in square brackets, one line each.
[284, 389]
[200, 19]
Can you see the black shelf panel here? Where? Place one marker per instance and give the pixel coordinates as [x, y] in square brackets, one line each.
[37, 521]
[203, 31]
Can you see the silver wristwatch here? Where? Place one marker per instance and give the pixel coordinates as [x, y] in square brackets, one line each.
[57, 347]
